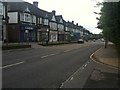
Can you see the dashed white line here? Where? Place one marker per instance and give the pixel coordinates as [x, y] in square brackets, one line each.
[85, 65]
[67, 50]
[71, 78]
[49, 55]
[11, 65]
[82, 67]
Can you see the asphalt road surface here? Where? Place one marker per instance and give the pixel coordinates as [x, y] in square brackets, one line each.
[45, 67]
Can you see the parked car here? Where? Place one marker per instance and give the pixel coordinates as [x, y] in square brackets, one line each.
[80, 41]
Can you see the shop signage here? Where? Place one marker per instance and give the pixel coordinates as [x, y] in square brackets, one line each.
[28, 28]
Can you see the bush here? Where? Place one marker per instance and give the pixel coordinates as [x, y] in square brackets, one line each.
[17, 46]
[53, 43]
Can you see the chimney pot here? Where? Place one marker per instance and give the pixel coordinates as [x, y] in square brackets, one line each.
[77, 24]
[72, 22]
[35, 3]
[54, 12]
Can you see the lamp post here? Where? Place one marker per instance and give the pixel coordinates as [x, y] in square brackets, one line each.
[27, 37]
[47, 39]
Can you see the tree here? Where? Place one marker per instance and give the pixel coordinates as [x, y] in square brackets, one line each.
[109, 22]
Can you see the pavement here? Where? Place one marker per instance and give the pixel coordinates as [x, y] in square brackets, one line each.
[108, 56]
[103, 71]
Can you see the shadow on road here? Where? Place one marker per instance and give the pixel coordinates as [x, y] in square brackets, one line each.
[100, 79]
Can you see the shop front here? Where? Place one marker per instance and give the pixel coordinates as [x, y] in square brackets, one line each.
[28, 33]
[67, 36]
[61, 36]
[43, 35]
[53, 36]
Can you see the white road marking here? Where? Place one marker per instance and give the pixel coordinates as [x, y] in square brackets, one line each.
[85, 65]
[12, 65]
[49, 55]
[71, 78]
[67, 50]
[82, 67]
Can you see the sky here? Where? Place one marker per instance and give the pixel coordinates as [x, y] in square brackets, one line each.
[79, 11]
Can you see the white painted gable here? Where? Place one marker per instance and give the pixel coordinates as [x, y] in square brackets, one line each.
[27, 9]
[61, 21]
[46, 15]
[53, 18]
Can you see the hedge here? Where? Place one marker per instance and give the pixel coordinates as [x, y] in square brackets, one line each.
[55, 43]
[17, 46]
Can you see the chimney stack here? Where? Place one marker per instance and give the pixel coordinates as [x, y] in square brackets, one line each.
[35, 3]
[72, 22]
[54, 12]
[77, 24]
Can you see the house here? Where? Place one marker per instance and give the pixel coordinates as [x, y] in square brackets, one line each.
[1, 20]
[29, 23]
[67, 31]
[61, 31]
[53, 33]
[81, 31]
[76, 32]
[72, 29]
[43, 26]
[22, 22]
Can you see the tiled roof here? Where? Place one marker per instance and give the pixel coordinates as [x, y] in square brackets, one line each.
[21, 6]
[59, 17]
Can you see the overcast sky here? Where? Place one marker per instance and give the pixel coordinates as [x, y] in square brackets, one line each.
[80, 11]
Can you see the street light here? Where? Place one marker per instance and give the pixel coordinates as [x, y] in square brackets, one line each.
[27, 38]
[47, 39]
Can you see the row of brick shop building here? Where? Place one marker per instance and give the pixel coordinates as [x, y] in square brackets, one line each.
[27, 22]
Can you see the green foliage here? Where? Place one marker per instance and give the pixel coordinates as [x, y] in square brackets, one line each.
[109, 22]
[55, 43]
[17, 46]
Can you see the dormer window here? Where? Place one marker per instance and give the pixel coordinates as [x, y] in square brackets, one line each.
[61, 21]
[40, 20]
[53, 18]
[53, 26]
[45, 21]
[27, 17]
[1, 8]
[60, 27]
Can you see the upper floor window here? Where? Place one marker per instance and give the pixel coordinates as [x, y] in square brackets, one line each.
[1, 8]
[33, 19]
[27, 17]
[60, 27]
[45, 21]
[40, 20]
[53, 25]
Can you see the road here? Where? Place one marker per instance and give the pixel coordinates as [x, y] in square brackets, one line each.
[45, 67]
